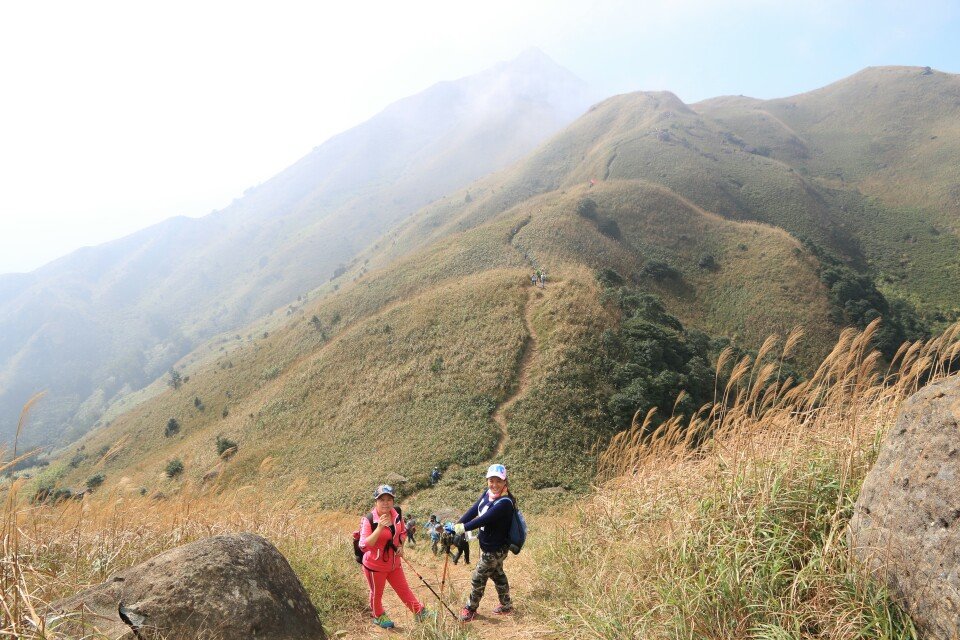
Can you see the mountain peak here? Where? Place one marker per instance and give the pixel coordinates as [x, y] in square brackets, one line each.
[533, 55]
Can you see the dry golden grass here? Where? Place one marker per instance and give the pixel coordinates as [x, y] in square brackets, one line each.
[52, 551]
[744, 535]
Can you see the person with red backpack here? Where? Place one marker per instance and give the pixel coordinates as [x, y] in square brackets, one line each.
[381, 537]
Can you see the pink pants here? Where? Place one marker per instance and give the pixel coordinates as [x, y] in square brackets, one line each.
[376, 581]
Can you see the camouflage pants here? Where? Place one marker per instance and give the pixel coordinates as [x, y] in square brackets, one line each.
[490, 566]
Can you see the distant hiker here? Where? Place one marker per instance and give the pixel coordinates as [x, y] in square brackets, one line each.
[533, 279]
[411, 524]
[463, 548]
[435, 476]
[542, 278]
[433, 528]
[492, 513]
[382, 546]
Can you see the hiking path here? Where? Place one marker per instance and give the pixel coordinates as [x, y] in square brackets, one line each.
[522, 624]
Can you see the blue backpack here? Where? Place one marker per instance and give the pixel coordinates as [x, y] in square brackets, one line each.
[518, 528]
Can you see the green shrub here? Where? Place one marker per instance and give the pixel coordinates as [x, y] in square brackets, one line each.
[659, 270]
[172, 428]
[707, 262]
[95, 481]
[587, 208]
[223, 444]
[174, 468]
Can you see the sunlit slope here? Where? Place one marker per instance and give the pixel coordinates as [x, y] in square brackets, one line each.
[883, 144]
[720, 193]
[139, 304]
[414, 359]
[656, 138]
[865, 168]
[760, 280]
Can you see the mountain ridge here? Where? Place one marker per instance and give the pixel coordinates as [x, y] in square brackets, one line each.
[188, 279]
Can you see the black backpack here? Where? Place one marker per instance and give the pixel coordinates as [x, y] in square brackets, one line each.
[358, 552]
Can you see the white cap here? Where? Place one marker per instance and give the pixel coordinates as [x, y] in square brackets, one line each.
[497, 471]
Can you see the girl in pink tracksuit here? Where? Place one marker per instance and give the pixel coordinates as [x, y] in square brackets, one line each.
[382, 534]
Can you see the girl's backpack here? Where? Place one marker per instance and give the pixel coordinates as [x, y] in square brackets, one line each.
[357, 551]
[518, 528]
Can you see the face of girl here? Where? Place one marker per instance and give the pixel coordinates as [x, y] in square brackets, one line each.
[384, 503]
[496, 484]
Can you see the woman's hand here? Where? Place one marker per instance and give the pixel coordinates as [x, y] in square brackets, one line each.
[385, 520]
[400, 551]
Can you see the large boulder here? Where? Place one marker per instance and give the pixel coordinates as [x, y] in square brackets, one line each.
[906, 524]
[232, 587]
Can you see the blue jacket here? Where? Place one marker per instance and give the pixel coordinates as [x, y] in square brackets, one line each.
[493, 518]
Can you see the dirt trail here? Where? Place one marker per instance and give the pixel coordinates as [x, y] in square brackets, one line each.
[522, 624]
[523, 379]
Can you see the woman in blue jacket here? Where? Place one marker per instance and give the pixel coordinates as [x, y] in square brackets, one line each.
[492, 514]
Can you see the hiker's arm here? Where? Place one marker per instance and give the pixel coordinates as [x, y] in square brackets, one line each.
[500, 509]
[471, 512]
[369, 536]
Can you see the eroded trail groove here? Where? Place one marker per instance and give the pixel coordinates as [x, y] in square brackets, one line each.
[522, 380]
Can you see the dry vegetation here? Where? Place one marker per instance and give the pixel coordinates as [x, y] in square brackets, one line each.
[745, 536]
[52, 551]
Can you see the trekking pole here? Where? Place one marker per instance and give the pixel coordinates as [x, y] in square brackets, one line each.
[443, 576]
[417, 573]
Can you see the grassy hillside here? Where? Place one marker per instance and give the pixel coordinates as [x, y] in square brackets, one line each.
[104, 321]
[415, 358]
[745, 537]
[882, 146]
[433, 345]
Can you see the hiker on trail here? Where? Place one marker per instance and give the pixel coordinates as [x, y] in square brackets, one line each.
[382, 546]
[463, 548]
[433, 528]
[492, 514]
[446, 538]
[533, 279]
[411, 524]
[435, 476]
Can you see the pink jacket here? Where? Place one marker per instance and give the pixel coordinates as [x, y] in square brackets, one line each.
[377, 557]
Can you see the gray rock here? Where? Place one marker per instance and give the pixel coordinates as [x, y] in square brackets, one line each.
[906, 524]
[234, 587]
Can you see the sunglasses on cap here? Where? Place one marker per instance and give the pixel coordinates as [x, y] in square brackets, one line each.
[383, 489]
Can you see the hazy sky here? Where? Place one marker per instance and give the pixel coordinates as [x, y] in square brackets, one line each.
[116, 115]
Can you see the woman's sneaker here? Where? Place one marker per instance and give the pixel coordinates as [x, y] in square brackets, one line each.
[383, 621]
[467, 614]
[425, 614]
[503, 609]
